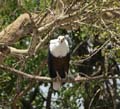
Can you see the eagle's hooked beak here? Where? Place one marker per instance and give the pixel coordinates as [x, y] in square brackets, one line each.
[62, 40]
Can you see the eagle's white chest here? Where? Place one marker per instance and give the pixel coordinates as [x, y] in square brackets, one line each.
[59, 49]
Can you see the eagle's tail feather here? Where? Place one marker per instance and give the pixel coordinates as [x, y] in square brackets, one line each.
[56, 84]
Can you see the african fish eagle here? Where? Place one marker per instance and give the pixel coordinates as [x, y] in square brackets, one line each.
[58, 60]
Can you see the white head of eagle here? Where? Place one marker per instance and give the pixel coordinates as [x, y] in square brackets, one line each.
[58, 60]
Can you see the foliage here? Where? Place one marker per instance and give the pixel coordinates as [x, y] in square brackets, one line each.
[73, 95]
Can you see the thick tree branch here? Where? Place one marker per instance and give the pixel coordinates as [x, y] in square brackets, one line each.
[16, 30]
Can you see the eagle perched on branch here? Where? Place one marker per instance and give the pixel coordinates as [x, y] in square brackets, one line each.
[58, 60]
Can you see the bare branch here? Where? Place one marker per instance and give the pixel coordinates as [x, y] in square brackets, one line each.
[48, 79]
[15, 51]
[32, 77]
[82, 60]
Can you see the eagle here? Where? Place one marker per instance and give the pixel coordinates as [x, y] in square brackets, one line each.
[58, 60]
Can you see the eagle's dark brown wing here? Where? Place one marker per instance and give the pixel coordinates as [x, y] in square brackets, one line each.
[58, 64]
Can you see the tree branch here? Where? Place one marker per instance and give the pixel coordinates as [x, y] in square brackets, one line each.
[16, 30]
[29, 76]
[48, 79]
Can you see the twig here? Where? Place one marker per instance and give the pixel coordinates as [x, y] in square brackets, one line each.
[93, 98]
[111, 9]
[28, 87]
[31, 77]
[75, 49]
[69, 8]
[45, 38]
[94, 52]
[15, 51]
[63, 6]
[82, 10]
[17, 97]
[35, 38]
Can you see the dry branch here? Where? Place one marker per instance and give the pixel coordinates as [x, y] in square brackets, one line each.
[23, 25]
